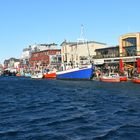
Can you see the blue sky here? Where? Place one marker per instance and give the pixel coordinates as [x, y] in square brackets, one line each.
[26, 22]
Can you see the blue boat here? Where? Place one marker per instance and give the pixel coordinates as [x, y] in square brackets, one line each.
[83, 71]
[79, 73]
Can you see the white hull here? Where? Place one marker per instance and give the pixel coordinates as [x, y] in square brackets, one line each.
[37, 76]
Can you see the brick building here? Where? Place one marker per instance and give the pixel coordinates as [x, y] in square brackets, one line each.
[45, 58]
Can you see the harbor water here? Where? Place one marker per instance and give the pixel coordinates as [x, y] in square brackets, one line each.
[45, 109]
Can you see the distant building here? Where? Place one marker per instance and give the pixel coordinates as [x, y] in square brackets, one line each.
[42, 47]
[11, 63]
[1, 68]
[46, 58]
[27, 52]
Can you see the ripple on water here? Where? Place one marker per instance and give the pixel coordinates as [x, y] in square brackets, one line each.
[68, 110]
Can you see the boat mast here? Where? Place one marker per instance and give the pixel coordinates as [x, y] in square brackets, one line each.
[82, 36]
[82, 40]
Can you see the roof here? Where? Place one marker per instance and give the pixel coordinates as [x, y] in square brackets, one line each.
[96, 42]
[8, 60]
[51, 44]
[47, 50]
[67, 43]
[26, 49]
[112, 47]
[74, 43]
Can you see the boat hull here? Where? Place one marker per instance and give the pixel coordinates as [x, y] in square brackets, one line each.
[113, 77]
[50, 75]
[136, 80]
[37, 76]
[112, 80]
[123, 78]
[18, 75]
[76, 74]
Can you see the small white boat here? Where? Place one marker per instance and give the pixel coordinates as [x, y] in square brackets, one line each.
[37, 76]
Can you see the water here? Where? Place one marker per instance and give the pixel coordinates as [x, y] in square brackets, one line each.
[68, 110]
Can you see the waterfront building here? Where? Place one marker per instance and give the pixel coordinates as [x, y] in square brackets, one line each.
[107, 59]
[130, 50]
[123, 58]
[108, 52]
[76, 53]
[129, 44]
[45, 58]
[24, 59]
[11, 63]
[26, 53]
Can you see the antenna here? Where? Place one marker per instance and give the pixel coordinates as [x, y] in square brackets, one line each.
[82, 35]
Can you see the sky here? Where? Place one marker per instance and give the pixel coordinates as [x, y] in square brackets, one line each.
[28, 22]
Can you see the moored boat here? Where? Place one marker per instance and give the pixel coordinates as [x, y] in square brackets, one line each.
[79, 73]
[27, 74]
[123, 78]
[112, 77]
[76, 65]
[37, 76]
[18, 74]
[50, 74]
[136, 80]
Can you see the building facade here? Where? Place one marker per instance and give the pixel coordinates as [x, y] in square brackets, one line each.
[24, 59]
[42, 47]
[45, 58]
[27, 52]
[109, 52]
[12, 65]
[129, 47]
[76, 53]
[122, 58]
[129, 44]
